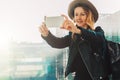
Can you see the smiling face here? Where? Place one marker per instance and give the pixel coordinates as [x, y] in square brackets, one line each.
[80, 17]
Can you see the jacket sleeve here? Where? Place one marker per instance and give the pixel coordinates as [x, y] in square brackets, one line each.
[56, 42]
[95, 36]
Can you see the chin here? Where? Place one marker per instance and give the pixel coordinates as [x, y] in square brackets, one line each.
[80, 25]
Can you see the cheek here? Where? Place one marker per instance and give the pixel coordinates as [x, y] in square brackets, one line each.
[84, 19]
[84, 22]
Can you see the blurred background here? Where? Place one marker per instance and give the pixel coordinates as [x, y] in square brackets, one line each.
[24, 55]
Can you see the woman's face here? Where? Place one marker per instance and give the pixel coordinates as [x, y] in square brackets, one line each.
[80, 17]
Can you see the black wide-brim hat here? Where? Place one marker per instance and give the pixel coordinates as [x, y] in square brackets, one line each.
[84, 3]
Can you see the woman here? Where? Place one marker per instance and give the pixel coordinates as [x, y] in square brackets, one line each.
[87, 47]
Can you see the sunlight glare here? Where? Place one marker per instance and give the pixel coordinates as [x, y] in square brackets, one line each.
[4, 38]
[4, 51]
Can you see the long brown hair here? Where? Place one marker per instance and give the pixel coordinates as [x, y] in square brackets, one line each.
[90, 19]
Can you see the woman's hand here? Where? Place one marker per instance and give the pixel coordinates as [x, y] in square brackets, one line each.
[69, 25]
[43, 30]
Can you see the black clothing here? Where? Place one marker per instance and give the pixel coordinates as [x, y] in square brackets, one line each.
[92, 50]
[83, 76]
[80, 69]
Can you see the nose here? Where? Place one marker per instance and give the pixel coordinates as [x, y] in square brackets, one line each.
[79, 17]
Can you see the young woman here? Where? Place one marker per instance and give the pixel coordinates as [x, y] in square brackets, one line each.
[87, 48]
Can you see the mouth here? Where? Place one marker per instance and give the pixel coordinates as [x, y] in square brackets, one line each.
[79, 22]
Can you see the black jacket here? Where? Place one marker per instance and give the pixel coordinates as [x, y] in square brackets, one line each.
[92, 49]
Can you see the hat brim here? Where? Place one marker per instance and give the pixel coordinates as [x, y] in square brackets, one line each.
[86, 3]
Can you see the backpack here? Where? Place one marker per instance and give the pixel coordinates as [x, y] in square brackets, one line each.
[114, 52]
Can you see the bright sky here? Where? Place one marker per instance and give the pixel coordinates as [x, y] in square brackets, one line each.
[19, 19]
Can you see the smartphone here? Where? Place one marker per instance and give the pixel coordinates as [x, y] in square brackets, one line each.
[54, 21]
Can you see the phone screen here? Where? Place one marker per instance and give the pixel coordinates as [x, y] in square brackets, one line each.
[54, 21]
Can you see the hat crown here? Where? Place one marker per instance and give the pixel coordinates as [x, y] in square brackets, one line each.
[80, 0]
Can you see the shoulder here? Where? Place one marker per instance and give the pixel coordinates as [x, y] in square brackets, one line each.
[99, 29]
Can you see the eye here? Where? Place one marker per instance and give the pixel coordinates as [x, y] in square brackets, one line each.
[83, 14]
[76, 14]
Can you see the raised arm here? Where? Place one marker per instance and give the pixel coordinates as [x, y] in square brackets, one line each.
[94, 36]
[53, 41]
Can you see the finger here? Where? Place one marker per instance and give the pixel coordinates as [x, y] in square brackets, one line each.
[44, 27]
[40, 29]
[43, 23]
[66, 18]
[64, 24]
